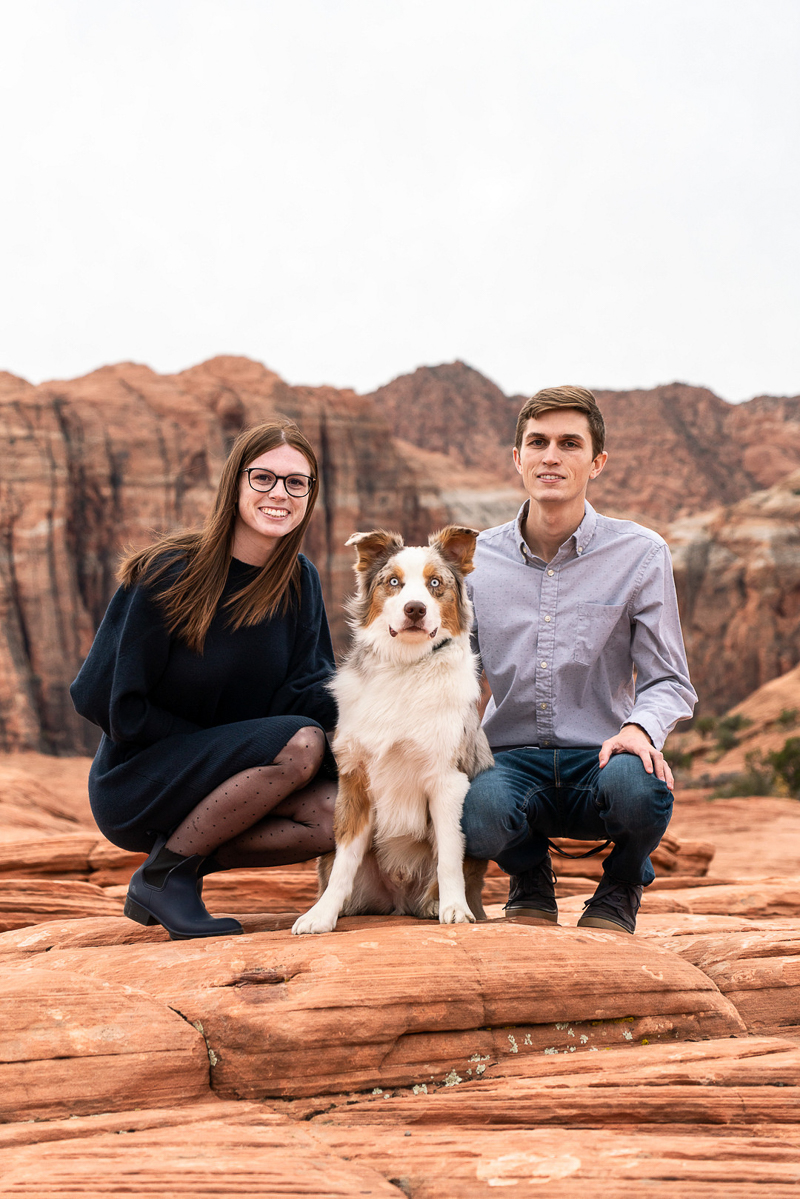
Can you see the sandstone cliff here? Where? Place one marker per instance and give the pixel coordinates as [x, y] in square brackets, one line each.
[673, 450]
[90, 465]
[737, 570]
[94, 464]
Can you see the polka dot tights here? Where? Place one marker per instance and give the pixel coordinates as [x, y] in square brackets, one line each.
[267, 815]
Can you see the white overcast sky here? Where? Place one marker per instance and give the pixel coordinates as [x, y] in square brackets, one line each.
[593, 191]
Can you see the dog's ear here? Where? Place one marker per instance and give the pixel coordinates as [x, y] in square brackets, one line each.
[375, 546]
[456, 545]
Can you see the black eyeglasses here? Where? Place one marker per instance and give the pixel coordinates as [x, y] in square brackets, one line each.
[264, 480]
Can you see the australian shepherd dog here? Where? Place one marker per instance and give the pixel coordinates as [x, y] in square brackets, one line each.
[408, 740]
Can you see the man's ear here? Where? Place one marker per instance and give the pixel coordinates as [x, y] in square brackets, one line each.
[374, 546]
[598, 464]
[456, 545]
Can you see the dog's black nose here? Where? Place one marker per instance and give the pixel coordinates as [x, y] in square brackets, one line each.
[414, 610]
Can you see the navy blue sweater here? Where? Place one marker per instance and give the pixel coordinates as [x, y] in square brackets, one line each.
[141, 684]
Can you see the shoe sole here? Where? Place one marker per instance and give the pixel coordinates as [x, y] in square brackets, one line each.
[532, 913]
[135, 911]
[609, 925]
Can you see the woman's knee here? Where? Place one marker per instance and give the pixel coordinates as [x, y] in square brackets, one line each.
[301, 756]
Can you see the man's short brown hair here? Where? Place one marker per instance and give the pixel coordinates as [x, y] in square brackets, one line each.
[579, 398]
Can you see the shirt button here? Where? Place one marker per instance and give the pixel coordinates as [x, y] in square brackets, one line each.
[580, 549]
[547, 618]
[542, 705]
[551, 572]
[544, 664]
[545, 743]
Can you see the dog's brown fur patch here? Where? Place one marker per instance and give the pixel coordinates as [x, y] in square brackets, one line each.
[448, 596]
[379, 590]
[457, 546]
[351, 815]
[474, 870]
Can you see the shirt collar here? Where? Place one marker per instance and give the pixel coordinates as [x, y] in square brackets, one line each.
[585, 530]
[580, 538]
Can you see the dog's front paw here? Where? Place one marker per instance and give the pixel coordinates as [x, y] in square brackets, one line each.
[314, 921]
[429, 910]
[455, 913]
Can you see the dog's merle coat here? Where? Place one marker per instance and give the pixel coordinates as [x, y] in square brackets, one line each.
[409, 739]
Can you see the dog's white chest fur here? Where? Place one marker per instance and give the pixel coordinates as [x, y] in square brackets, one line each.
[403, 723]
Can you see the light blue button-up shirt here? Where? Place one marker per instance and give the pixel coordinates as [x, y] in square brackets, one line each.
[576, 647]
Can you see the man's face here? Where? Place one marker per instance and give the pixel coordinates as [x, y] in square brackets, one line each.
[556, 459]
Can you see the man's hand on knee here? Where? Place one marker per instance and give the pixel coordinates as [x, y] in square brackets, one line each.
[631, 739]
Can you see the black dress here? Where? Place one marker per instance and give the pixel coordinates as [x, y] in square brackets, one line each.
[175, 723]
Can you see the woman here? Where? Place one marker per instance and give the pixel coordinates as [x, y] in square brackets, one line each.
[207, 677]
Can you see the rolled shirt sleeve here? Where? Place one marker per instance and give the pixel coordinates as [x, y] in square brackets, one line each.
[664, 693]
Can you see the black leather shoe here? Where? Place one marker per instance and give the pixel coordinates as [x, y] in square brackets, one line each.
[164, 891]
[613, 906]
[533, 893]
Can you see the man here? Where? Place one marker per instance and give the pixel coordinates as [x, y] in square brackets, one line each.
[576, 624]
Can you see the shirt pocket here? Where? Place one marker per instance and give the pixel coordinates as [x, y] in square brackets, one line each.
[596, 624]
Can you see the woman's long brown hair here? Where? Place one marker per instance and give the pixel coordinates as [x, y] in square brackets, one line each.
[189, 604]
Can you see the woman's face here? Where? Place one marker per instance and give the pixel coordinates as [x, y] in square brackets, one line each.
[263, 517]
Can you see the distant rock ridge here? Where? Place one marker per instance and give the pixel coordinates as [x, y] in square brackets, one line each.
[673, 450]
[90, 465]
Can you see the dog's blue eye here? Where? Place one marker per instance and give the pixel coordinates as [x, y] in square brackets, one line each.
[436, 582]
[394, 582]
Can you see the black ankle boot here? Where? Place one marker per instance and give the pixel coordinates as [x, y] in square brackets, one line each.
[164, 891]
[209, 865]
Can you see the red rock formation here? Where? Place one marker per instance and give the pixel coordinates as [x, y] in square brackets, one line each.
[29, 901]
[74, 1045]
[759, 971]
[737, 570]
[453, 410]
[471, 1051]
[673, 450]
[94, 464]
[421, 1000]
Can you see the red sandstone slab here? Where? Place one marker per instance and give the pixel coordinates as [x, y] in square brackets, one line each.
[93, 932]
[759, 971]
[473, 1163]
[757, 836]
[398, 1004]
[687, 924]
[82, 854]
[277, 889]
[211, 1157]
[749, 898]
[28, 806]
[67, 853]
[720, 1082]
[37, 1132]
[54, 785]
[26, 901]
[74, 1045]
[259, 1155]
[677, 882]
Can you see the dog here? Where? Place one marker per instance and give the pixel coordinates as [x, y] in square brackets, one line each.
[408, 741]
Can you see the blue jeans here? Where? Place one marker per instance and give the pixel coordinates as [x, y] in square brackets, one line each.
[532, 794]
